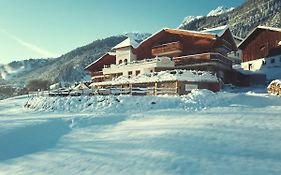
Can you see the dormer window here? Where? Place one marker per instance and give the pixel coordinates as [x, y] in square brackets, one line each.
[120, 61]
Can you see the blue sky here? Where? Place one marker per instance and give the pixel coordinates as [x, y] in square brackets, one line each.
[46, 28]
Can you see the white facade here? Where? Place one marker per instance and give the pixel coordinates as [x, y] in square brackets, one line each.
[139, 67]
[255, 65]
[235, 56]
[125, 55]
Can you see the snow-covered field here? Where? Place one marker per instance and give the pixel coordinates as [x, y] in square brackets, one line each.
[202, 133]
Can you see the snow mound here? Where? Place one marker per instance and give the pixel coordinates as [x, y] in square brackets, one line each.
[197, 100]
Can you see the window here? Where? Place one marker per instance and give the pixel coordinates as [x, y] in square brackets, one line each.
[263, 62]
[125, 61]
[151, 70]
[272, 61]
[120, 61]
[137, 72]
[130, 73]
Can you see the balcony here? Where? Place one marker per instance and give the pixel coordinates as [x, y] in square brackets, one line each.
[205, 58]
[139, 65]
[171, 49]
[97, 74]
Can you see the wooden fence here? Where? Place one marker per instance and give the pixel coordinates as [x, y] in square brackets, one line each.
[150, 91]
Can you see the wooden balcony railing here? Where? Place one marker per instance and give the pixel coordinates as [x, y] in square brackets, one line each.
[166, 49]
[95, 74]
[203, 58]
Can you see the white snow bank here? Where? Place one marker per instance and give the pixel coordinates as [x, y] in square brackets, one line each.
[196, 100]
[180, 75]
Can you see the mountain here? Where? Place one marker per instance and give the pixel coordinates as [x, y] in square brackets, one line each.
[241, 20]
[67, 68]
[219, 10]
[17, 68]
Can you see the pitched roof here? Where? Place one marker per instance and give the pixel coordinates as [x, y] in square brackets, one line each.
[106, 59]
[254, 32]
[181, 32]
[126, 43]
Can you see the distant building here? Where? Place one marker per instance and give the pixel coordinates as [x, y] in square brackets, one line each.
[236, 55]
[261, 51]
[168, 49]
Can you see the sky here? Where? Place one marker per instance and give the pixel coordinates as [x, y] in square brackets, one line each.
[50, 28]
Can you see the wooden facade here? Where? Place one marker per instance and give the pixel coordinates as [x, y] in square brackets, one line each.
[189, 43]
[260, 43]
[97, 66]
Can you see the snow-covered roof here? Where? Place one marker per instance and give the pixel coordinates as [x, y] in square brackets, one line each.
[279, 44]
[126, 43]
[277, 82]
[270, 28]
[99, 59]
[220, 30]
[259, 27]
[112, 53]
[179, 30]
[180, 75]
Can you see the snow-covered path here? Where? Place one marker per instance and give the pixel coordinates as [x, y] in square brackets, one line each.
[227, 133]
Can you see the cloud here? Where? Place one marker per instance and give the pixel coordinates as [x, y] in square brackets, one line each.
[32, 47]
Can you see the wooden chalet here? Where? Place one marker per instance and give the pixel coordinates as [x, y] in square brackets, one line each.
[261, 49]
[168, 49]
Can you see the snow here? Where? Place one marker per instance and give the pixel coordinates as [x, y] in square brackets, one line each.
[269, 28]
[220, 30]
[181, 75]
[271, 72]
[230, 132]
[277, 82]
[7, 71]
[126, 43]
[219, 10]
[188, 20]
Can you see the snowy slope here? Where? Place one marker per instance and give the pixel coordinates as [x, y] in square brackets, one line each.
[188, 20]
[202, 133]
[242, 19]
[219, 10]
[215, 12]
[18, 68]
